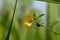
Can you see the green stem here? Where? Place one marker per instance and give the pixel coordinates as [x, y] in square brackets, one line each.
[10, 27]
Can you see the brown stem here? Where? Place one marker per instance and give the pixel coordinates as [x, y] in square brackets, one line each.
[50, 29]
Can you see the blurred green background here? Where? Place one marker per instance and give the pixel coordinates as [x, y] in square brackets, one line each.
[19, 30]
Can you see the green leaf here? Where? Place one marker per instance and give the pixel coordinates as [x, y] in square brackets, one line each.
[34, 16]
[40, 16]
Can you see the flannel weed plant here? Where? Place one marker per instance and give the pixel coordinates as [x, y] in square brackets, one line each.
[30, 18]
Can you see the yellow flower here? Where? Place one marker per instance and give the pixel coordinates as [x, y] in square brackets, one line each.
[29, 19]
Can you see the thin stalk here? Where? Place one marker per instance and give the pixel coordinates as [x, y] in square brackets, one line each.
[10, 27]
